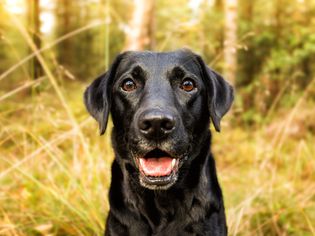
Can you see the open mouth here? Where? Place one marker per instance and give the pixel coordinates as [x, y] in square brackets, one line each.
[157, 163]
[158, 168]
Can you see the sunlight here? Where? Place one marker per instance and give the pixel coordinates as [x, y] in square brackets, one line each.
[47, 16]
[47, 4]
[47, 20]
[15, 6]
[195, 4]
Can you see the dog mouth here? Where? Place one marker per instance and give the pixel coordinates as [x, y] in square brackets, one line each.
[158, 169]
[157, 163]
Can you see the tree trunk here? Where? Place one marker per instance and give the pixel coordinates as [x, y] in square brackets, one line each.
[230, 42]
[66, 47]
[140, 35]
[34, 23]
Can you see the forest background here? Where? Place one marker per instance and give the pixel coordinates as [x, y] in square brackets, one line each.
[55, 169]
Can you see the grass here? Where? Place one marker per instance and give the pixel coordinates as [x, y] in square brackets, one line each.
[46, 177]
[55, 169]
[49, 186]
[267, 193]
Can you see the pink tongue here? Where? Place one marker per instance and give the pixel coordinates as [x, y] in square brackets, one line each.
[156, 166]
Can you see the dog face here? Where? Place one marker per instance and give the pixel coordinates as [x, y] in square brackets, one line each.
[161, 105]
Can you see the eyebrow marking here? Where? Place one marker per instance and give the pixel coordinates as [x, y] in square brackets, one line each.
[137, 71]
[178, 72]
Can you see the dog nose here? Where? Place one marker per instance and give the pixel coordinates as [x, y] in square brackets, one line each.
[156, 124]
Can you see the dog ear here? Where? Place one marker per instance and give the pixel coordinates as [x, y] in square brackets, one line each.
[97, 97]
[220, 94]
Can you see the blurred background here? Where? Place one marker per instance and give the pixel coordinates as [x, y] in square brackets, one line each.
[55, 168]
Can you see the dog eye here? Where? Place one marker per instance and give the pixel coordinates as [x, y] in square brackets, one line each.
[128, 85]
[187, 85]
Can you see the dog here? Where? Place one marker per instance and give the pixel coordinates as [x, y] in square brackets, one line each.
[164, 180]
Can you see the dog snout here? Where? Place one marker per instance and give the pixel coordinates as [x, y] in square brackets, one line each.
[156, 124]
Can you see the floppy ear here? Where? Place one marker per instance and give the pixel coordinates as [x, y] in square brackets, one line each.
[220, 94]
[97, 97]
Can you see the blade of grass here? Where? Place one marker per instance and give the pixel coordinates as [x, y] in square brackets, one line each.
[22, 87]
[309, 222]
[17, 56]
[50, 45]
[52, 80]
[107, 31]
[80, 213]
[56, 195]
[71, 34]
[47, 147]
[281, 135]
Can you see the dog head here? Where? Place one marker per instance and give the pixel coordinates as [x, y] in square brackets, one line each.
[161, 105]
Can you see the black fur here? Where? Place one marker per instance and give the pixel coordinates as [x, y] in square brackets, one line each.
[189, 201]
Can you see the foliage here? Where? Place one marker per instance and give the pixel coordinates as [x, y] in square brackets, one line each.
[280, 51]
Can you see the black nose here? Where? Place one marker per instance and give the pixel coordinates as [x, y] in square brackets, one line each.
[156, 124]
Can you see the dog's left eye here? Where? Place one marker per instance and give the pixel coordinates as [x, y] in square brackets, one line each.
[128, 85]
[188, 85]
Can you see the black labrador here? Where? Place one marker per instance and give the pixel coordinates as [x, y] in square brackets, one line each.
[164, 180]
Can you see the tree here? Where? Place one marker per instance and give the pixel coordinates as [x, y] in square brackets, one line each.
[230, 42]
[34, 23]
[140, 34]
[64, 20]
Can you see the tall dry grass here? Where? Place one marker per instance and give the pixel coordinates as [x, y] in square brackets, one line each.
[55, 169]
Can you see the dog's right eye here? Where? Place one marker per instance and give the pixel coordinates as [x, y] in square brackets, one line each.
[128, 85]
[188, 85]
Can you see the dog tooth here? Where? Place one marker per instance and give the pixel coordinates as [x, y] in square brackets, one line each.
[173, 163]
